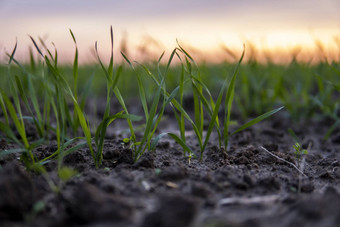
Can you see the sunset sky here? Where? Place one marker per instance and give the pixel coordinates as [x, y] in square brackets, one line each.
[202, 26]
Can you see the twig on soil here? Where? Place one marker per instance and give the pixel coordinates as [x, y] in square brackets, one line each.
[281, 159]
[146, 185]
[302, 166]
[246, 201]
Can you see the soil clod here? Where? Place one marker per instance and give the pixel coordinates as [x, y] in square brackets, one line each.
[88, 204]
[17, 192]
[173, 211]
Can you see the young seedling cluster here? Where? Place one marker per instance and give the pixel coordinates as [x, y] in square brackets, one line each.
[299, 152]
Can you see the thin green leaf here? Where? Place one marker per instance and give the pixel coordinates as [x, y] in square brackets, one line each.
[12, 151]
[25, 99]
[331, 129]
[18, 124]
[9, 133]
[86, 91]
[229, 101]
[66, 151]
[185, 147]
[85, 128]
[158, 118]
[101, 131]
[214, 116]
[36, 46]
[186, 53]
[118, 74]
[181, 92]
[75, 67]
[293, 135]
[13, 52]
[36, 143]
[127, 60]
[109, 79]
[258, 119]
[155, 141]
[4, 110]
[171, 96]
[150, 120]
[170, 59]
[73, 37]
[141, 90]
[122, 103]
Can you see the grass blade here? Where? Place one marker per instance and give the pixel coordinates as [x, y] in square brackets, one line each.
[331, 129]
[85, 127]
[75, 68]
[229, 101]
[109, 79]
[101, 131]
[13, 52]
[4, 110]
[25, 100]
[155, 141]
[186, 148]
[36, 46]
[149, 122]
[17, 122]
[257, 120]
[9, 133]
[214, 117]
[12, 151]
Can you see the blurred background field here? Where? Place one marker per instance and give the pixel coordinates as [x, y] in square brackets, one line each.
[308, 91]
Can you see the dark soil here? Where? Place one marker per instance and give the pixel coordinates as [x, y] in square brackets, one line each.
[245, 187]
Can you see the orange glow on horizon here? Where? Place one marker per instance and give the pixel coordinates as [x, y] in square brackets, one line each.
[271, 32]
[275, 47]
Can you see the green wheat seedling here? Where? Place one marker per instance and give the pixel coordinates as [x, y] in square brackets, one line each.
[101, 132]
[197, 91]
[169, 98]
[63, 114]
[299, 152]
[75, 84]
[28, 96]
[112, 89]
[57, 91]
[177, 106]
[330, 109]
[228, 107]
[16, 117]
[212, 108]
[14, 113]
[152, 116]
